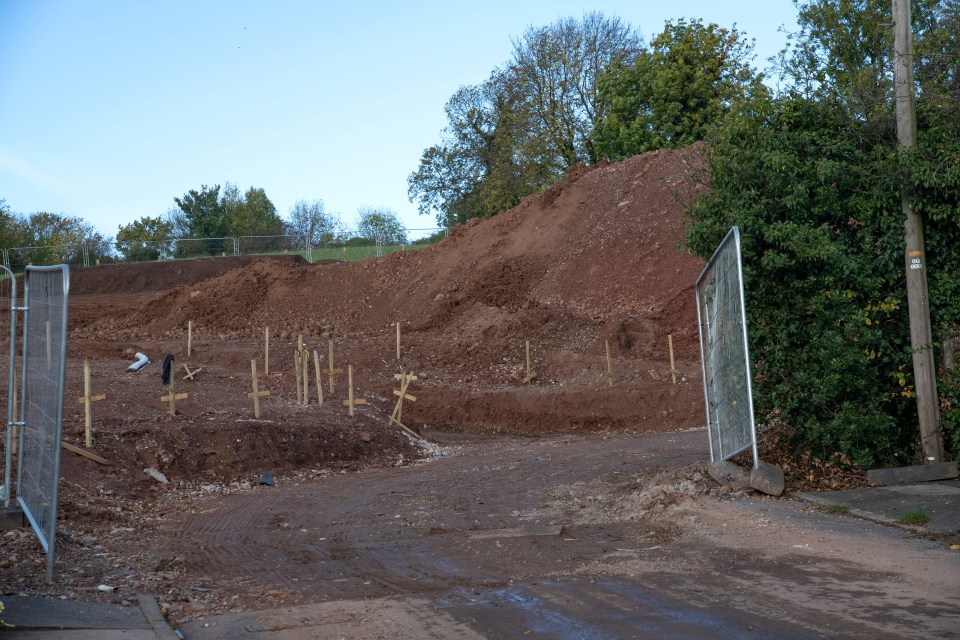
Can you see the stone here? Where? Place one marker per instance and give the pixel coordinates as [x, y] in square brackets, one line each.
[729, 474]
[767, 478]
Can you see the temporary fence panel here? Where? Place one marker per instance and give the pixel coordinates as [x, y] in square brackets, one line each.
[46, 292]
[72, 254]
[724, 352]
[8, 287]
[183, 248]
[273, 245]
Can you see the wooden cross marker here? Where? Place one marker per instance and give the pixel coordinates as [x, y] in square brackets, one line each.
[189, 337]
[673, 369]
[350, 402]
[609, 365]
[331, 371]
[401, 393]
[87, 399]
[190, 374]
[530, 374]
[256, 394]
[316, 368]
[172, 397]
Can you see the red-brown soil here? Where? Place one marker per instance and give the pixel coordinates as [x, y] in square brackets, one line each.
[597, 259]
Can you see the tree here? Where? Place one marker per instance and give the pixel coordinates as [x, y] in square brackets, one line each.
[380, 225]
[141, 240]
[670, 97]
[558, 66]
[201, 214]
[252, 215]
[311, 219]
[489, 157]
[813, 178]
[59, 238]
[518, 132]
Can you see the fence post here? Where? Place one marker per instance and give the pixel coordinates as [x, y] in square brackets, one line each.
[308, 242]
[236, 246]
[86, 254]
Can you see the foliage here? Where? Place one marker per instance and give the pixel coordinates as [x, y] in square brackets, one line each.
[140, 240]
[251, 215]
[313, 220]
[209, 214]
[380, 225]
[518, 132]
[672, 94]
[813, 178]
[915, 517]
[56, 238]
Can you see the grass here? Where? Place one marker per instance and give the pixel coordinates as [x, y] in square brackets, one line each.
[835, 508]
[915, 517]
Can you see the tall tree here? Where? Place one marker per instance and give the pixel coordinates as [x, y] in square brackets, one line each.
[558, 66]
[690, 78]
[518, 132]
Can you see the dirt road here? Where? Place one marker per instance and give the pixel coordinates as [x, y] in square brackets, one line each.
[561, 537]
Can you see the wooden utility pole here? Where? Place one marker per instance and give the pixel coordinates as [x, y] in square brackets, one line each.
[921, 338]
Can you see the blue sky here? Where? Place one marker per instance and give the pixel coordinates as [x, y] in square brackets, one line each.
[110, 109]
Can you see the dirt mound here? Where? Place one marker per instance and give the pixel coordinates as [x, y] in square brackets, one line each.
[152, 277]
[595, 260]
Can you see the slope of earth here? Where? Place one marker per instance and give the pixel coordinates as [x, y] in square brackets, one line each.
[590, 264]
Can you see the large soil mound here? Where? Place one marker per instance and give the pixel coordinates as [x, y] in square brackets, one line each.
[595, 260]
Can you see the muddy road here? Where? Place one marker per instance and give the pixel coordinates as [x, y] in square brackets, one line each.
[562, 537]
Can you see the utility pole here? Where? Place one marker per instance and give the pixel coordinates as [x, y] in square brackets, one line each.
[921, 340]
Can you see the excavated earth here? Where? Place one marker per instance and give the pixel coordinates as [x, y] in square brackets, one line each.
[595, 263]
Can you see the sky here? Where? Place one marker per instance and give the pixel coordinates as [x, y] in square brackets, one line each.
[110, 109]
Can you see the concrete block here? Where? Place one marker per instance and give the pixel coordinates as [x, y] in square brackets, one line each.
[11, 518]
[910, 475]
[768, 479]
[729, 474]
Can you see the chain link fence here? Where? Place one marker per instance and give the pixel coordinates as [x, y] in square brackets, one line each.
[343, 246]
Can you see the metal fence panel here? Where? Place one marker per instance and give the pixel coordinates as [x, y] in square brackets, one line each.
[72, 254]
[272, 245]
[46, 292]
[724, 352]
[8, 290]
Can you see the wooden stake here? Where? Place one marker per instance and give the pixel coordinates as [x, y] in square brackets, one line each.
[190, 374]
[305, 363]
[172, 397]
[529, 377]
[316, 370]
[298, 372]
[350, 402]
[189, 337]
[673, 369]
[344, 254]
[87, 399]
[256, 394]
[609, 365]
[330, 370]
[398, 341]
[49, 347]
[82, 452]
[266, 351]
